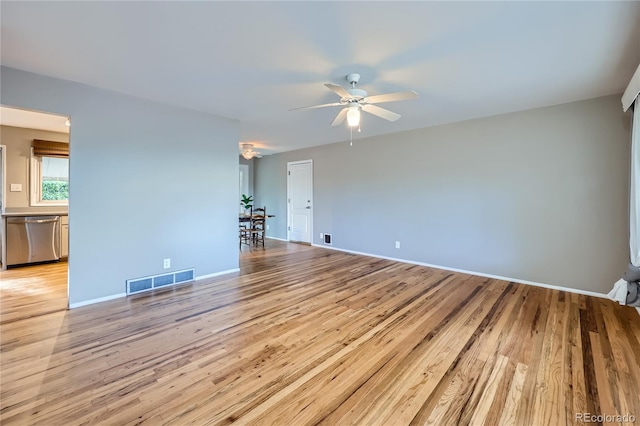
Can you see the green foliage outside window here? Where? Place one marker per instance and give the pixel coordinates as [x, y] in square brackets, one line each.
[55, 190]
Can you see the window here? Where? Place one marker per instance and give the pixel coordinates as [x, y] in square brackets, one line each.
[49, 174]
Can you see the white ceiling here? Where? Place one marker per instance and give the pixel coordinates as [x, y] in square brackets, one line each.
[254, 61]
[32, 120]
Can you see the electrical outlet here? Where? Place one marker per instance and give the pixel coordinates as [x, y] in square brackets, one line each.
[16, 187]
[397, 244]
[321, 235]
[167, 263]
[267, 227]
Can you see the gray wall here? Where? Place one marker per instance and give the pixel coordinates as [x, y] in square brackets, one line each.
[18, 142]
[147, 181]
[539, 195]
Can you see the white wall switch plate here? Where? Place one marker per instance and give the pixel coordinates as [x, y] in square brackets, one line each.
[16, 187]
[167, 263]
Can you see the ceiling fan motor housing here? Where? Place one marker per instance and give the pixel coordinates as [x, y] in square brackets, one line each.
[357, 93]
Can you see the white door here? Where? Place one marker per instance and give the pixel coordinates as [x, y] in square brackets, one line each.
[300, 200]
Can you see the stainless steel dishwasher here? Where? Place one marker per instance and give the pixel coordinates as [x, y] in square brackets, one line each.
[32, 239]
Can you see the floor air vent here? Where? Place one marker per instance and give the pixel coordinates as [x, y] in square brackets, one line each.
[138, 285]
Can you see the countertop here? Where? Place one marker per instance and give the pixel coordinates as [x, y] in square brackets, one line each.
[35, 211]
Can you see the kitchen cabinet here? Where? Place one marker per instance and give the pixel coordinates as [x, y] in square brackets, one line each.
[64, 236]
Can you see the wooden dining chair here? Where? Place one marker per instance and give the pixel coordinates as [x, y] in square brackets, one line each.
[259, 213]
[245, 236]
[258, 220]
[246, 223]
[258, 230]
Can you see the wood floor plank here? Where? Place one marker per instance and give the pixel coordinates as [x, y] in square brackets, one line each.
[509, 410]
[551, 367]
[488, 395]
[624, 369]
[578, 382]
[532, 354]
[303, 335]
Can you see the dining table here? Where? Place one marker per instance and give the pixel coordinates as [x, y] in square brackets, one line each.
[247, 217]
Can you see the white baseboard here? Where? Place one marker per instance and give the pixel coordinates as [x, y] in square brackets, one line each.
[98, 300]
[217, 274]
[275, 238]
[117, 296]
[480, 274]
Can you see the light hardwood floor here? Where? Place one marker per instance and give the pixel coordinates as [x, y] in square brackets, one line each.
[31, 291]
[304, 335]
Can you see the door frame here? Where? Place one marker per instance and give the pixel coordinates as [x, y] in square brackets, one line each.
[289, 164]
[245, 168]
[3, 176]
[3, 179]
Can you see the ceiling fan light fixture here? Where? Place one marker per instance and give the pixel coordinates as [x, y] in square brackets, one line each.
[248, 153]
[353, 116]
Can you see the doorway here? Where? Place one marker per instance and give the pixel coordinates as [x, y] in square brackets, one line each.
[244, 183]
[35, 187]
[3, 168]
[300, 201]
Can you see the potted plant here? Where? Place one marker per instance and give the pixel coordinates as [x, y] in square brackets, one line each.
[246, 202]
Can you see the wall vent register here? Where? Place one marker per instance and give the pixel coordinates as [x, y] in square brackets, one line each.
[139, 285]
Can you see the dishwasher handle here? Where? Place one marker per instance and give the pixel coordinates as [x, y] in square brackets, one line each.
[40, 220]
[23, 220]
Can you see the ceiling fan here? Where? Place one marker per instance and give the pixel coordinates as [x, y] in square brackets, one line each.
[248, 153]
[353, 100]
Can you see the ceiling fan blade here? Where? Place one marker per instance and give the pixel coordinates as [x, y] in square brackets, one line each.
[340, 117]
[380, 112]
[391, 97]
[338, 90]
[317, 106]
